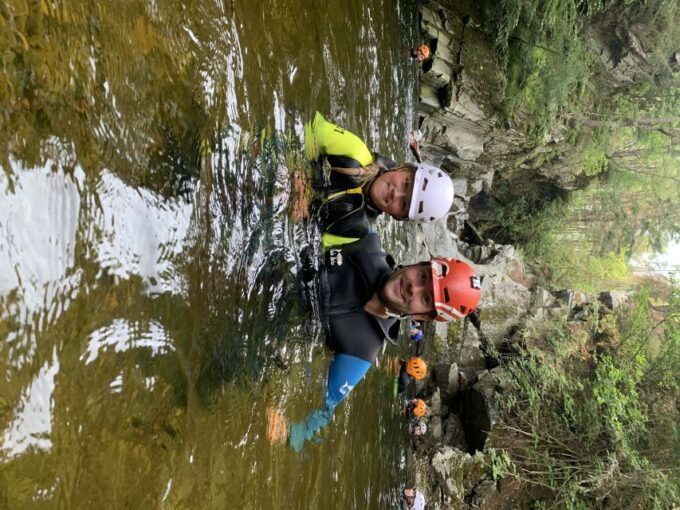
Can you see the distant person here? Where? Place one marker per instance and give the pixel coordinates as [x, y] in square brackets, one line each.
[411, 499]
[415, 408]
[421, 53]
[412, 369]
[415, 333]
[418, 428]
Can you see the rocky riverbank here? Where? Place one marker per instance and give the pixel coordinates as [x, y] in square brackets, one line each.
[489, 163]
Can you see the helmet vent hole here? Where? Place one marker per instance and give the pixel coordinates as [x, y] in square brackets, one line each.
[446, 295]
[425, 181]
[420, 207]
[463, 309]
[445, 269]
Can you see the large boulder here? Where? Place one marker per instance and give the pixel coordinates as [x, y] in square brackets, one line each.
[462, 137]
[446, 377]
[506, 294]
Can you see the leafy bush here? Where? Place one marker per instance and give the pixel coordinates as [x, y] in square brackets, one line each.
[597, 427]
[547, 64]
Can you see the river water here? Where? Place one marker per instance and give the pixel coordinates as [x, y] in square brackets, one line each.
[149, 299]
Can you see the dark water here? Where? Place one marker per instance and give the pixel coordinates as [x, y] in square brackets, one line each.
[149, 300]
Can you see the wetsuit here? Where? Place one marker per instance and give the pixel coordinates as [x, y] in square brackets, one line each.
[350, 276]
[404, 379]
[346, 208]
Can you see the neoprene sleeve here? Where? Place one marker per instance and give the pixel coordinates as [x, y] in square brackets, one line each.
[345, 373]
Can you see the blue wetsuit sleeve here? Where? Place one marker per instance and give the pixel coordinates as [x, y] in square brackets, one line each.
[345, 373]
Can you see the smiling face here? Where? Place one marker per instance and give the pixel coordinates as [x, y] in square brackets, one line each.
[409, 291]
[391, 193]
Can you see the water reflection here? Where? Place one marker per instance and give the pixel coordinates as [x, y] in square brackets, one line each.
[150, 305]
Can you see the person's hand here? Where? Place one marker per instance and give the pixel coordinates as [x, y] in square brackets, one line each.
[300, 197]
[277, 428]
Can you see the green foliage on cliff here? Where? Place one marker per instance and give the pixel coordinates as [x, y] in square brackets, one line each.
[551, 66]
[592, 410]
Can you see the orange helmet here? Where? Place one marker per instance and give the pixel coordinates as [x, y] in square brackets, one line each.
[419, 408]
[423, 51]
[456, 288]
[416, 368]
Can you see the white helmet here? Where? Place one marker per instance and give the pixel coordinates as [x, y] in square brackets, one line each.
[432, 194]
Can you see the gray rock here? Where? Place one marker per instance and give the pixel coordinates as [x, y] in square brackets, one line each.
[437, 74]
[543, 298]
[482, 493]
[439, 240]
[457, 473]
[467, 145]
[428, 96]
[446, 377]
[454, 434]
[460, 186]
[446, 460]
[459, 204]
[467, 108]
[487, 179]
[435, 427]
[471, 355]
[435, 402]
[571, 298]
[613, 299]
[476, 186]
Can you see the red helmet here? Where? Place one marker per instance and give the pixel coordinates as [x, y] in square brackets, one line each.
[456, 288]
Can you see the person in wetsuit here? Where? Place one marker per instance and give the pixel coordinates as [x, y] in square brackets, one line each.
[363, 185]
[415, 408]
[363, 295]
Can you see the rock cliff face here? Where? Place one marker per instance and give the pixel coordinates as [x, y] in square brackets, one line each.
[459, 95]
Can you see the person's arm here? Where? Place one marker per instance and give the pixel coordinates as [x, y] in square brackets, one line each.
[345, 373]
[330, 140]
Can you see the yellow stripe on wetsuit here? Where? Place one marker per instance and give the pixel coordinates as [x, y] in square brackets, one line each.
[345, 192]
[329, 241]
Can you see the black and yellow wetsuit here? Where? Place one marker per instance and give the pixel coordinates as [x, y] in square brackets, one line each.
[346, 209]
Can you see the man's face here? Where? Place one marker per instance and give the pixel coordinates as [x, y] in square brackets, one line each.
[409, 291]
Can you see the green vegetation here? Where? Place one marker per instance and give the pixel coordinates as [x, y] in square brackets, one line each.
[613, 139]
[591, 408]
[593, 424]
